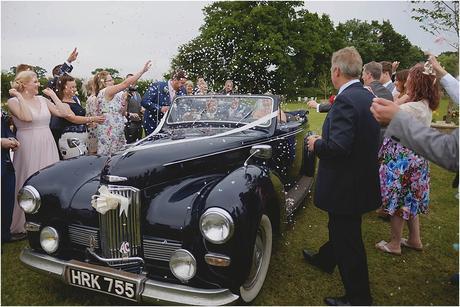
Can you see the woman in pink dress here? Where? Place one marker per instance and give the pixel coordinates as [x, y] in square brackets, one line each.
[31, 116]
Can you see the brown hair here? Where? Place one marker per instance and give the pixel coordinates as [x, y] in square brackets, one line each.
[21, 78]
[56, 70]
[423, 86]
[99, 81]
[401, 76]
[23, 67]
[179, 74]
[61, 83]
[387, 67]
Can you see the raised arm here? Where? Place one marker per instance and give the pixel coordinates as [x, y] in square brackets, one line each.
[18, 106]
[59, 108]
[113, 89]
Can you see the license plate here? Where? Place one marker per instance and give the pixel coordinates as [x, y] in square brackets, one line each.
[112, 285]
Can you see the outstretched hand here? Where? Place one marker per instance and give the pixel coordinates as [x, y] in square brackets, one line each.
[73, 56]
[312, 104]
[147, 66]
[440, 71]
[384, 110]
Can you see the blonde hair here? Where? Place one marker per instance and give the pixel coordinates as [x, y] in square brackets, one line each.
[348, 61]
[99, 81]
[89, 87]
[22, 78]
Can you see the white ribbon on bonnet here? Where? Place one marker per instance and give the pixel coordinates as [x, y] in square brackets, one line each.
[106, 201]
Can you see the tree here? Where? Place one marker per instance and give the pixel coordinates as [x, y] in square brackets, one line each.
[41, 72]
[263, 46]
[441, 18]
[450, 62]
[379, 42]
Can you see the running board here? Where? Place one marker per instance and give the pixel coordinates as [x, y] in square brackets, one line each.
[297, 194]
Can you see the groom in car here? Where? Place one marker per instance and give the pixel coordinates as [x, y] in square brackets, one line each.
[158, 98]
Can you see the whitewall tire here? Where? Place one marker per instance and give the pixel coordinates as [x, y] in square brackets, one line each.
[260, 261]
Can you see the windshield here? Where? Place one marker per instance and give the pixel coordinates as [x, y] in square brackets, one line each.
[233, 109]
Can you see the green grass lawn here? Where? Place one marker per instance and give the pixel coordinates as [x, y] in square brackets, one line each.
[415, 278]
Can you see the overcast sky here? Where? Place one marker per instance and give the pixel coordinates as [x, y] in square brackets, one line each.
[123, 35]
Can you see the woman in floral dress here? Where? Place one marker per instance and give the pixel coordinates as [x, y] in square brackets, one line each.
[110, 134]
[92, 109]
[404, 175]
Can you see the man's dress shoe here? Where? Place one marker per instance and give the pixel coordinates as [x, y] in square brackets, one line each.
[337, 301]
[313, 261]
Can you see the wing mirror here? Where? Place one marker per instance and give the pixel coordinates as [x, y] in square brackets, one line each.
[74, 142]
[259, 151]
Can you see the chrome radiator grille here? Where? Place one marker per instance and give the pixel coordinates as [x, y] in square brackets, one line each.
[79, 234]
[116, 229]
[159, 249]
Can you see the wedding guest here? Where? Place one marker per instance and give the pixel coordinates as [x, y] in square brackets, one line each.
[404, 174]
[348, 162]
[74, 126]
[371, 76]
[9, 142]
[189, 87]
[59, 70]
[401, 96]
[436, 146]
[133, 127]
[385, 78]
[92, 109]
[111, 134]
[159, 97]
[202, 87]
[31, 116]
[228, 88]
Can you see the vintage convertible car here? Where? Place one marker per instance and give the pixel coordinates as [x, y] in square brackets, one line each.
[184, 216]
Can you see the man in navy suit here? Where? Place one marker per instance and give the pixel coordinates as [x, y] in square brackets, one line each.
[158, 97]
[348, 167]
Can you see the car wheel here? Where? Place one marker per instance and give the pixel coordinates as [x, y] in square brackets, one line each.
[260, 261]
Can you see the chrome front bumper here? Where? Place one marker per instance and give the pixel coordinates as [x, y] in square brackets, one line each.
[151, 291]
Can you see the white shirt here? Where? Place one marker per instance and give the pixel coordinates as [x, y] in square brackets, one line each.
[344, 86]
[172, 92]
[386, 84]
[450, 84]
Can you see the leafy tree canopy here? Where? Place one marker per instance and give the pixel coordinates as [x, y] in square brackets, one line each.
[437, 18]
[379, 42]
[264, 46]
[41, 72]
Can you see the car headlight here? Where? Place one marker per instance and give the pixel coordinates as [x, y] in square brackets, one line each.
[49, 239]
[182, 264]
[216, 225]
[29, 199]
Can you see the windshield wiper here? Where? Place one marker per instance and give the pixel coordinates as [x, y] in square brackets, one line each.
[199, 116]
[247, 115]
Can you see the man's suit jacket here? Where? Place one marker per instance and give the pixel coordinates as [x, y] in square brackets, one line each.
[324, 107]
[348, 172]
[156, 96]
[380, 91]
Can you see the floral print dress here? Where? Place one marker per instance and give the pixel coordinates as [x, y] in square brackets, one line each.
[110, 134]
[404, 175]
[92, 109]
